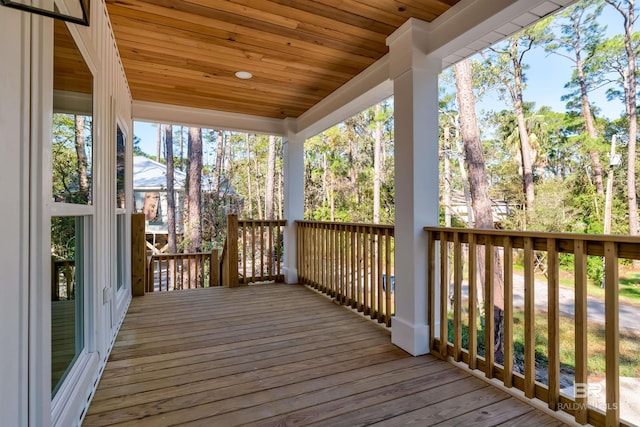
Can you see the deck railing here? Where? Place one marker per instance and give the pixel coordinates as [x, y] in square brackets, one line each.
[528, 247]
[352, 263]
[260, 250]
[168, 272]
[62, 278]
[252, 251]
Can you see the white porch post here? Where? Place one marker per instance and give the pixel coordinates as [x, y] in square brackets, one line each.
[293, 197]
[415, 78]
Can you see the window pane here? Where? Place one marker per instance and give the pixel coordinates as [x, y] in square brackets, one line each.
[120, 250]
[72, 121]
[67, 290]
[120, 194]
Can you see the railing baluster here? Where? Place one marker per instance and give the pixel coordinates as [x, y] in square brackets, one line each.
[444, 293]
[381, 276]
[160, 273]
[374, 275]
[457, 297]
[431, 287]
[243, 232]
[358, 269]
[553, 323]
[261, 257]
[366, 272]
[345, 258]
[253, 253]
[300, 244]
[473, 307]
[581, 373]
[612, 338]
[354, 266]
[508, 313]
[389, 307]
[313, 264]
[529, 321]
[489, 320]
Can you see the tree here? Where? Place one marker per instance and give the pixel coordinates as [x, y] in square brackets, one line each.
[580, 35]
[159, 142]
[171, 201]
[81, 155]
[626, 9]
[194, 185]
[271, 177]
[377, 163]
[506, 67]
[479, 188]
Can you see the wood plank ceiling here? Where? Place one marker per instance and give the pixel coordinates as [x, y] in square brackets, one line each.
[186, 52]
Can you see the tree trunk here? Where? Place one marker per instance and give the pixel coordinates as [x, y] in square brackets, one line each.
[589, 126]
[81, 156]
[280, 193]
[446, 196]
[195, 182]
[271, 178]
[171, 201]
[632, 112]
[628, 16]
[159, 142]
[257, 182]
[377, 166]
[249, 192]
[526, 152]
[479, 188]
[218, 167]
[182, 148]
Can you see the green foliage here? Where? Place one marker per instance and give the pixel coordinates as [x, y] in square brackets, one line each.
[65, 168]
[339, 170]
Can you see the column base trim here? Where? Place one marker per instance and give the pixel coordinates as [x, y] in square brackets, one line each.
[290, 275]
[414, 339]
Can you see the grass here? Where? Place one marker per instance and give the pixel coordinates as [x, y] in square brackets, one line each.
[629, 345]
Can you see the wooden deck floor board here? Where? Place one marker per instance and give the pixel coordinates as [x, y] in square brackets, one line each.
[279, 355]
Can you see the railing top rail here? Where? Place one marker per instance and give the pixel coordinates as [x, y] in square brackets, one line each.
[180, 255]
[628, 246]
[263, 221]
[540, 234]
[346, 224]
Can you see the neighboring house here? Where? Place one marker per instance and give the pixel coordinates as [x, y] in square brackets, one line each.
[150, 196]
[500, 209]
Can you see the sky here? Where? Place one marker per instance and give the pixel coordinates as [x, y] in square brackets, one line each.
[546, 77]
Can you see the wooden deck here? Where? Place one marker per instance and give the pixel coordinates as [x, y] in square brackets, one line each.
[281, 355]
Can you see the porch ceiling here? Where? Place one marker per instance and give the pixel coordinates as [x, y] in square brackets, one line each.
[185, 52]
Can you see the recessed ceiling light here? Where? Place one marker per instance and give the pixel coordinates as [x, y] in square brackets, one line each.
[244, 75]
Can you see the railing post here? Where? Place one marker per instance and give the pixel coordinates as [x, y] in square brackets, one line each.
[214, 269]
[232, 250]
[138, 254]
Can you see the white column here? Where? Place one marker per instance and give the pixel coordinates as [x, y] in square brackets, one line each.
[293, 198]
[415, 78]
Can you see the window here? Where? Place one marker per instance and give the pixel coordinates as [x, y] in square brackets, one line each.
[72, 212]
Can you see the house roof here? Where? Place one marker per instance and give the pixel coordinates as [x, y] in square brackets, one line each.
[151, 175]
[186, 52]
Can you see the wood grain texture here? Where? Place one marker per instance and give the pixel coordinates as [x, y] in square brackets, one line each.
[185, 52]
[278, 355]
